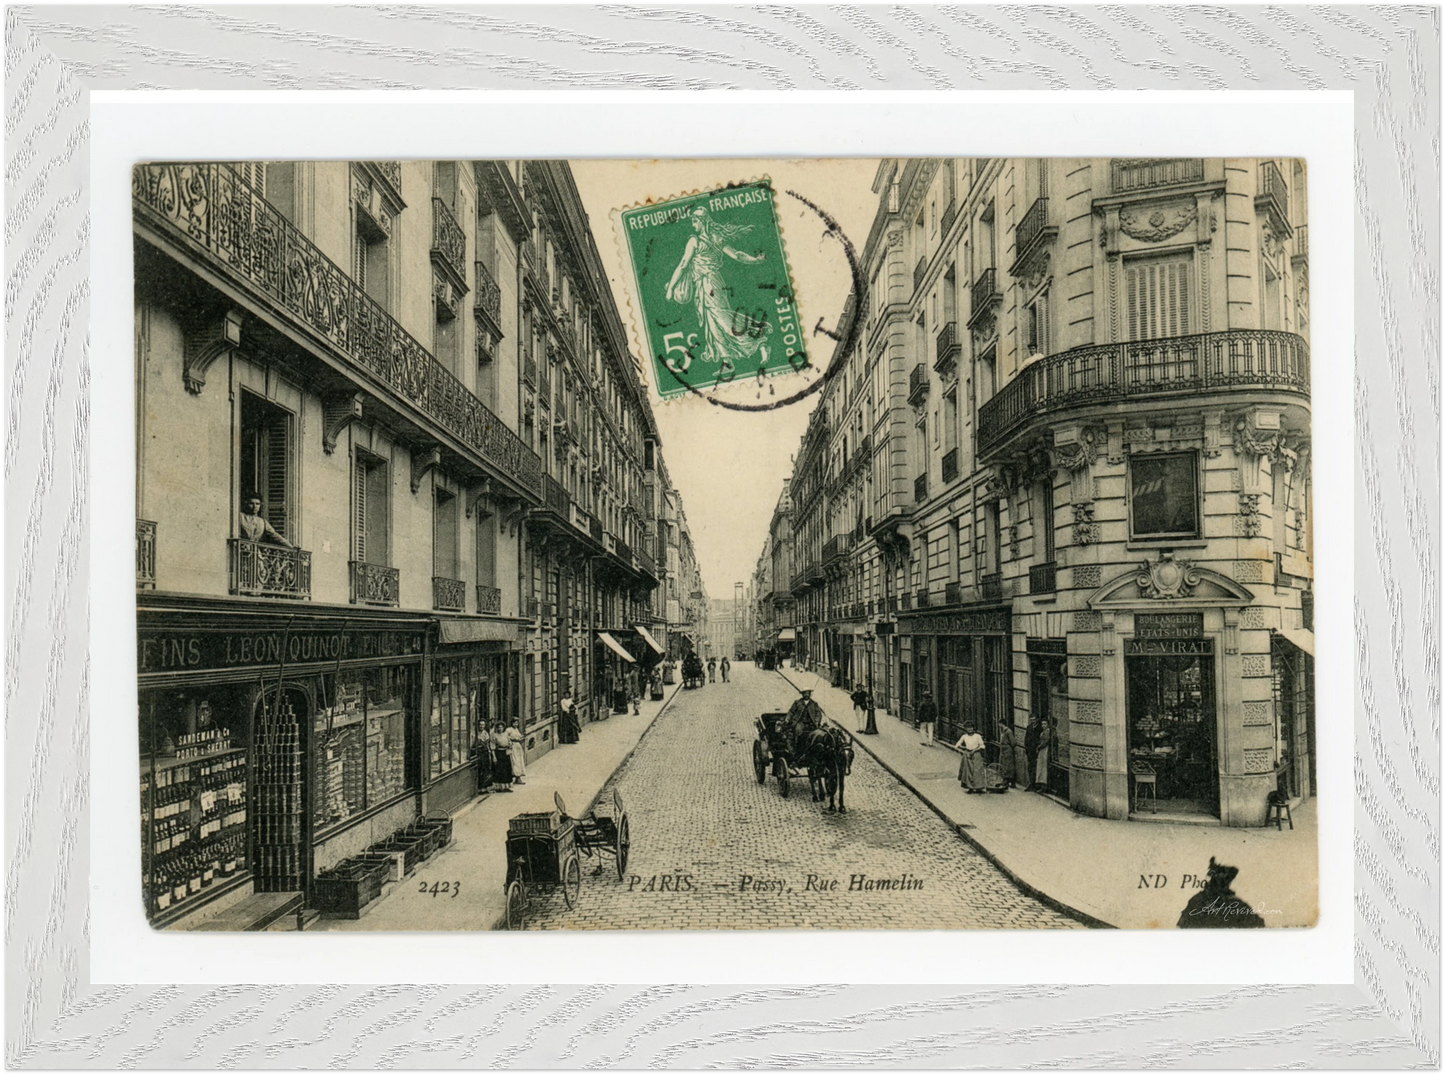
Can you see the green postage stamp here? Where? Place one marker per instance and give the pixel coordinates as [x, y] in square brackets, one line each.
[716, 299]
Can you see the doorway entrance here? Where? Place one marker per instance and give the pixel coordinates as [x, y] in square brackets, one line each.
[1049, 705]
[1170, 696]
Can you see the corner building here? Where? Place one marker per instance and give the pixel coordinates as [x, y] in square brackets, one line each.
[1066, 475]
[418, 372]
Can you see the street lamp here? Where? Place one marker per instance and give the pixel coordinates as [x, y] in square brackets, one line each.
[872, 727]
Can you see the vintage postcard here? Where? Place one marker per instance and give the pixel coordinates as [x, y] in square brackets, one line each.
[724, 544]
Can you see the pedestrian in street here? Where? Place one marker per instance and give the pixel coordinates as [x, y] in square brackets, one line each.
[1007, 764]
[501, 758]
[1033, 739]
[724, 666]
[861, 702]
[970, 766]
[516, 753]
[568, 729]
[634, 689]
[712, 669]
[927, 718]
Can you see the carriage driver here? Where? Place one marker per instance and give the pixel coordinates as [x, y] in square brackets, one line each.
[804, 716]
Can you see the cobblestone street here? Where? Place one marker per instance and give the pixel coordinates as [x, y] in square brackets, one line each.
[712, 849]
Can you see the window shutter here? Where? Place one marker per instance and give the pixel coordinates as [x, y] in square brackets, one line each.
[278, 455]
[358, 522]
[1157, 291]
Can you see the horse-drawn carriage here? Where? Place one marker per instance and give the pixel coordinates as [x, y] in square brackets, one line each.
[544, 849]
[822, 755]
[692, 674]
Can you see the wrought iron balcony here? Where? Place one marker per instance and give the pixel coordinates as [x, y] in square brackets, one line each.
[1146, 173]
[1032, 233]
[949, 347]
[1042, 577]
[487, 304]
[953, 593]
[990, 587]
[1272, 196]
[534, 608]
[950, 214]
[448, 244]
[985, 296]
[1301, 242]
[489, 600]
[905, 602]
[391, 172]
[145, 555]
[835, 547]
[918, 272]
[209, 208]
[529, 370]
[920, 488]
[555, 497]
[920, 599]
[263, 570]
[448, 595]
[373, 584]
[950, 465]
[1178, 366]
[917, 383]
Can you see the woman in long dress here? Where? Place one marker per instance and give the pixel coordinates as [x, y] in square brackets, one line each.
[501, 758]
[728, 334]
[970, 767]
[517, 753]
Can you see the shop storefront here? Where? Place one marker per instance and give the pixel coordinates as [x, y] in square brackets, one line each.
[474, 671]
[269, 740]
[1049, 707]
[963, 659]
[1171, 721]
[613, 663]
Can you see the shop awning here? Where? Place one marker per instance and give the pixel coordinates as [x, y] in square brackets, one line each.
[615, 646]
[647, 637]
[479, 631]
[787, 634]
[1305, 640]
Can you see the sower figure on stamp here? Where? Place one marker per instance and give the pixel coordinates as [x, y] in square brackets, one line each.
[256, 527]
[728, 334]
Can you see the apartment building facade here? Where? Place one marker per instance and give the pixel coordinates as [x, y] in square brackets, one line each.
[1065, 475]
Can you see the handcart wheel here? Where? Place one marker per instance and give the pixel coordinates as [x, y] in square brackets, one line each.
[617, 802]
[516, 906]
[572, 881]
[624, 843]
[783, 777]
[760, 767]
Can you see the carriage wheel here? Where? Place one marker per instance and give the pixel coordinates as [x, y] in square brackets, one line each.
[624, 844]
[572, 881]
[783, 777]
[760, 767]
[516, 906]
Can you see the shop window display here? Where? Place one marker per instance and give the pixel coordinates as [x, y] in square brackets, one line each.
[361, 741]
[459, 709]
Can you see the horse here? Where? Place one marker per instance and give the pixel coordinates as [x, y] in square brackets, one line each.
[828, 753]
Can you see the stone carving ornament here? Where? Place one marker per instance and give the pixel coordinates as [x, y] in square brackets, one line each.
[1156, 222]
[1168, 579]
[1086, 530]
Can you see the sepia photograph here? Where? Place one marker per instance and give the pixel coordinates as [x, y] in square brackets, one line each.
[724, 544]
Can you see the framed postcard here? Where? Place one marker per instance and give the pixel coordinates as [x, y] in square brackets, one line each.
[610, 538]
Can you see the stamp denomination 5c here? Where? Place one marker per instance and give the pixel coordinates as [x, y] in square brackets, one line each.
[714, 294]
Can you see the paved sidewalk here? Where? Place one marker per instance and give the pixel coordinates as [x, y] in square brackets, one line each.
[475, 860]
[1094, 866]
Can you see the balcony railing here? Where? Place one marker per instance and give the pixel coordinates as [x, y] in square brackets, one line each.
[835, 547]
[1041, 577]
[920, 488]
[905, 602]
[529, 370]
[373, 584]
[594, 527]
[1302, 241]
[1244, 359]
[489, 600]
[1272, 195]
[209, 206]
[918, 271]
[990, 587]
[448, 242]
[1032, 232]
[984, 295]
[917, 383]
[949, 347]
[950, 214]
[555, 497]
[263, 570]
[488, 302]
[145, 555]
[534, 608]
[920, 599]
[1146, 173]
[953, 593]
[950, 465]
[448, 595]
[391, 172]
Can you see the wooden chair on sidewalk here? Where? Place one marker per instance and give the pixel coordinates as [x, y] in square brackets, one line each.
[1145, 777]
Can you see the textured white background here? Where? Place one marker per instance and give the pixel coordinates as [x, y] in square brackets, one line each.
[1388, 57]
